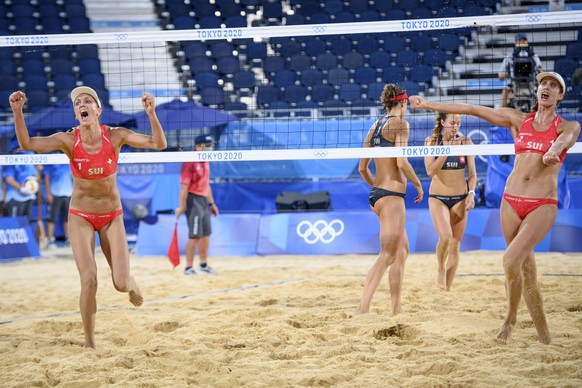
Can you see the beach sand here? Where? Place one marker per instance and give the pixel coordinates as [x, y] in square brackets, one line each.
[285, 321]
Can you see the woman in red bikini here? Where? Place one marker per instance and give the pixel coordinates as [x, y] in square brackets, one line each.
[530, 204]
[388, 189]
[95, 206]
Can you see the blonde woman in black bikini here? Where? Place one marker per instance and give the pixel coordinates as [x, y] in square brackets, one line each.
[451, 194]
[387, 196]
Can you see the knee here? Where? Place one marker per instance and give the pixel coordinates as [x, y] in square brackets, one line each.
[511, 267]
[454, 245]
[89, 281]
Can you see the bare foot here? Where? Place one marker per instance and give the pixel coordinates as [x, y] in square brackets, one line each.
[546, 340]
[504, 333]
[396, 311]
[360, 311]
[441, 280]
[135, 296]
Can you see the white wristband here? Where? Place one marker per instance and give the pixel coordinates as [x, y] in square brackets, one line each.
[471, 192]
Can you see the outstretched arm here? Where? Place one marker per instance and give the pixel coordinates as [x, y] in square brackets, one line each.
[503, 117]
[570, 130]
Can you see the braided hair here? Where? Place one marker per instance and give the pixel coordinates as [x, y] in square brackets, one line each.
[437, 131]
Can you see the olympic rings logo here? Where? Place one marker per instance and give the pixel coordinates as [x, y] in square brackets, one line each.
[320, 231]
[320, 154]
[533, 18]
[120, 37]
[319, 29]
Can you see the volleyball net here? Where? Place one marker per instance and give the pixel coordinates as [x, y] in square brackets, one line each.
[290, 92]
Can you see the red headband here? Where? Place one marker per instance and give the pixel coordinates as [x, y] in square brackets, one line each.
[402, 96]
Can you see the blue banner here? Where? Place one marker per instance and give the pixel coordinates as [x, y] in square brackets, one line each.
[16, 239]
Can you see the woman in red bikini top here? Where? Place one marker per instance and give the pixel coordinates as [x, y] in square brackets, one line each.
[530, 204]
[95, 205]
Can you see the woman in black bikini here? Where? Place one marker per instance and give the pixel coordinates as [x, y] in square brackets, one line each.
[451, 194]
[387, 196]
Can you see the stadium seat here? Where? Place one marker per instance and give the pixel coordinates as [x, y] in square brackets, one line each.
[475, 10]
[239, 109]
[284, 78]
[8, 83]
[370, 15]
[314, 47]
[421, 42]
[394, 43]
[332, 7]
[365, 75]
[565, 66]
[318, 18]
[273, 64]
[420, 13]
[66, 82]
[375, 91]
[295, 19]
[22, 10]
[183, 22]
[379, 60]
[311, 77]
[393, 74]
[32, 66]
[395, 14]
[61, 66]
[208, 22]
[409, 5]
[94, 80]
[7, 53]
[435, 58]
[244, 79]
[322, 93]
[353, 60]
[49, 10]
[79, 25]
[206, 79]
[193, 48]
[26, 25]
[421, 74]
[7, 67]
[326, 61]
[279, 108]
[411, 87]
[358, 6]
[176, 9]
[350, 92]
[74, 10]
[227, 65]
[407, 58]
[221, 49]
[293, 94]
[198, 64]
[299, 62]
[383, 7]
[344, 17]
[37, 99]
[273, 11]
[52, 25]
[212, 96]
[449, 42]
[367, 45]
[87, 51]
[235, 21]
[256, 51]
[288, 48]
[574, 51]
[308, 7]
[334, 108]
[60, 52]
[89, 65]
[230, 9]
[340, 46]
[203, 9]
[266, 94]
[447, 12]
[338, 76]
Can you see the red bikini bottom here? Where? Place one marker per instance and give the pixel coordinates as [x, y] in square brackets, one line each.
[523, 205]
[97, 220]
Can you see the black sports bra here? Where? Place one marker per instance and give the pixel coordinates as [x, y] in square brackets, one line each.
[377, 139]
[452, 162]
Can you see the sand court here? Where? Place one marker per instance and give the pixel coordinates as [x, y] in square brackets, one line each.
[286, 321]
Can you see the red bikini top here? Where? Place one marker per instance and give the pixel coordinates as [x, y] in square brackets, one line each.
[530, 140]
[93, 166]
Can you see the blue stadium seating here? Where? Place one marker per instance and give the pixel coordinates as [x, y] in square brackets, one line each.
[311, 77]
[353, 60]
[284, 78]
[365, 75]
[273, 64]
[206, 79]
[367, 45]
[340, 46]
[203, 63]
[293, 94]
[350, 92]
[227, 65]
[212, 96]
[326, 61]
[333, 7]
[66, 82]
[322, 93]
[379, 60]
[299, 62]
[344, 17]
[266, 95]
[338, 76]
[370, 15]
[314, 47]
[194, 48]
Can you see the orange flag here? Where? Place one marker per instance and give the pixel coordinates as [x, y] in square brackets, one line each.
[174, 248]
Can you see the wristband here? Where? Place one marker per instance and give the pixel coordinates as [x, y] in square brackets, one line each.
[471, 192]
